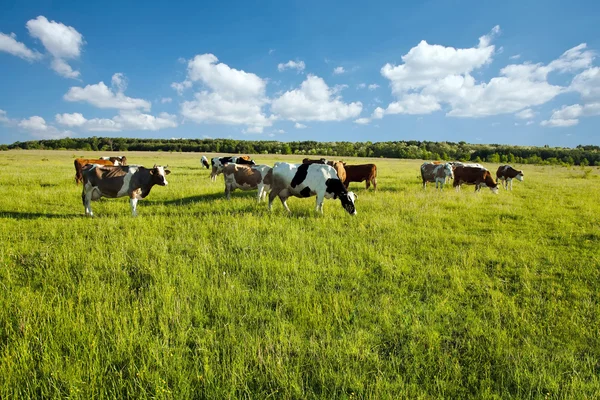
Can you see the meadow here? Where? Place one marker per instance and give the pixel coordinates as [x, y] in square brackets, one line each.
[423, 294]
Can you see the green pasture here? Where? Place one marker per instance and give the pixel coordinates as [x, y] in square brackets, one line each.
[423, 294]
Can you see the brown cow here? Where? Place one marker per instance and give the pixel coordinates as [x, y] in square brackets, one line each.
[118, 160]
[359, 173]
[474, 176]
[248, 177]
[81, 162]
[337, 165]
[506, 174]
[219, 162]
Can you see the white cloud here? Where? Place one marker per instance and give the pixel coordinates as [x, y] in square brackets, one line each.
[362, 121]
[569, 115]
[38, 128]
[527, 113]
[63, 69]
[3, 117]
[181, 86]
[75, 119]
[378, 113]
[297, 65]
[166, 100]
[298, 125]
[102, 96]
[361, 86]
[61, 41]
[235, 97]
[119, 82]
[338, 88]
[271, 51]
[434, 75]
[515, 57]
[313, 101]
[529, 123]
[373, 86]
[126, 120]
[587, 84]
[9, 44]
[338, 70]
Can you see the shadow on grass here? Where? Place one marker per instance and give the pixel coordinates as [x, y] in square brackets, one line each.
[203, 198]
[33, 215]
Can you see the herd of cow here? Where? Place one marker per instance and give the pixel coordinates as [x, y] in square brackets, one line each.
[112, 177]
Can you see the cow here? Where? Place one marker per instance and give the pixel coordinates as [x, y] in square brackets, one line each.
[306, 180]
[337, 165]
[118, 181]
[118, 160]
[81, 162]
[474, 176]
[248, 177]
[204, 162]
[438, 173]
[359, 173]
[219, 162]
[506, 174]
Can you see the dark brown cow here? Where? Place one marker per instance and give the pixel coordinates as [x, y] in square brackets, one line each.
[313, 161]
[337, 165]
[474, 176]
[359, 173]
[116, 181]
[506, 174]
[81, 162]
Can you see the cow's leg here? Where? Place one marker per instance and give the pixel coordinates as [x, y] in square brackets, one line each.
[227, 191]
[284, 202]
[86, 196]
[272, 195]
[259, 195]
[133, 202]
[367, 183]
[320, 199]
[424, 184]
[509, 181]
[375, 184]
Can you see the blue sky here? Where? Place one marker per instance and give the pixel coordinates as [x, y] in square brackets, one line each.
[513, 72]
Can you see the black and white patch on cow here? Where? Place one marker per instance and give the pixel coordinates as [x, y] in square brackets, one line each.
[506, 174]
[204, 162]
[306, 180]
[218, 163]
[438, 173]
[248, 177]
[118, 181]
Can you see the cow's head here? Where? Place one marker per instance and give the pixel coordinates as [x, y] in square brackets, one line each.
[159, 175]
[520, 176]
[448, 170]
[337, 188]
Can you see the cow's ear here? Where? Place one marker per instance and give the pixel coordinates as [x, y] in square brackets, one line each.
[167, 172]
[151, 171]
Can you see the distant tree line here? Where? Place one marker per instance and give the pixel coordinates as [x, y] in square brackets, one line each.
[410, 149]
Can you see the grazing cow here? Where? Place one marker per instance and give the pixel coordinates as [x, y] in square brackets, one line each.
[219, 162]
[438, 173]
[248, 177]
[306, 180]
[359, 173]
[204, 162]
[474, 176]
[117, 181]
[81, 162]
[506, 174]
[119, 160]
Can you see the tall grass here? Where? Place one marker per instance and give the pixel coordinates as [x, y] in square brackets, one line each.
[423, 294]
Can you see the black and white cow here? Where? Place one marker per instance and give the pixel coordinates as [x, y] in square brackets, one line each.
[306, 180]
[108, 181]
[219, 162]
[204, 162]
[438, 173]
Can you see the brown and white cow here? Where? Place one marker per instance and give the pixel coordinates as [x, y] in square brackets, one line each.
[219, 162]
[118, 181]
[359, 173]
[506, 174]
[248, 177]
[117, 160]
[438, 173]
[480, 177]
[81, 162]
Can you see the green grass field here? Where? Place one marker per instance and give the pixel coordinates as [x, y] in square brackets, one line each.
[422, 295]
